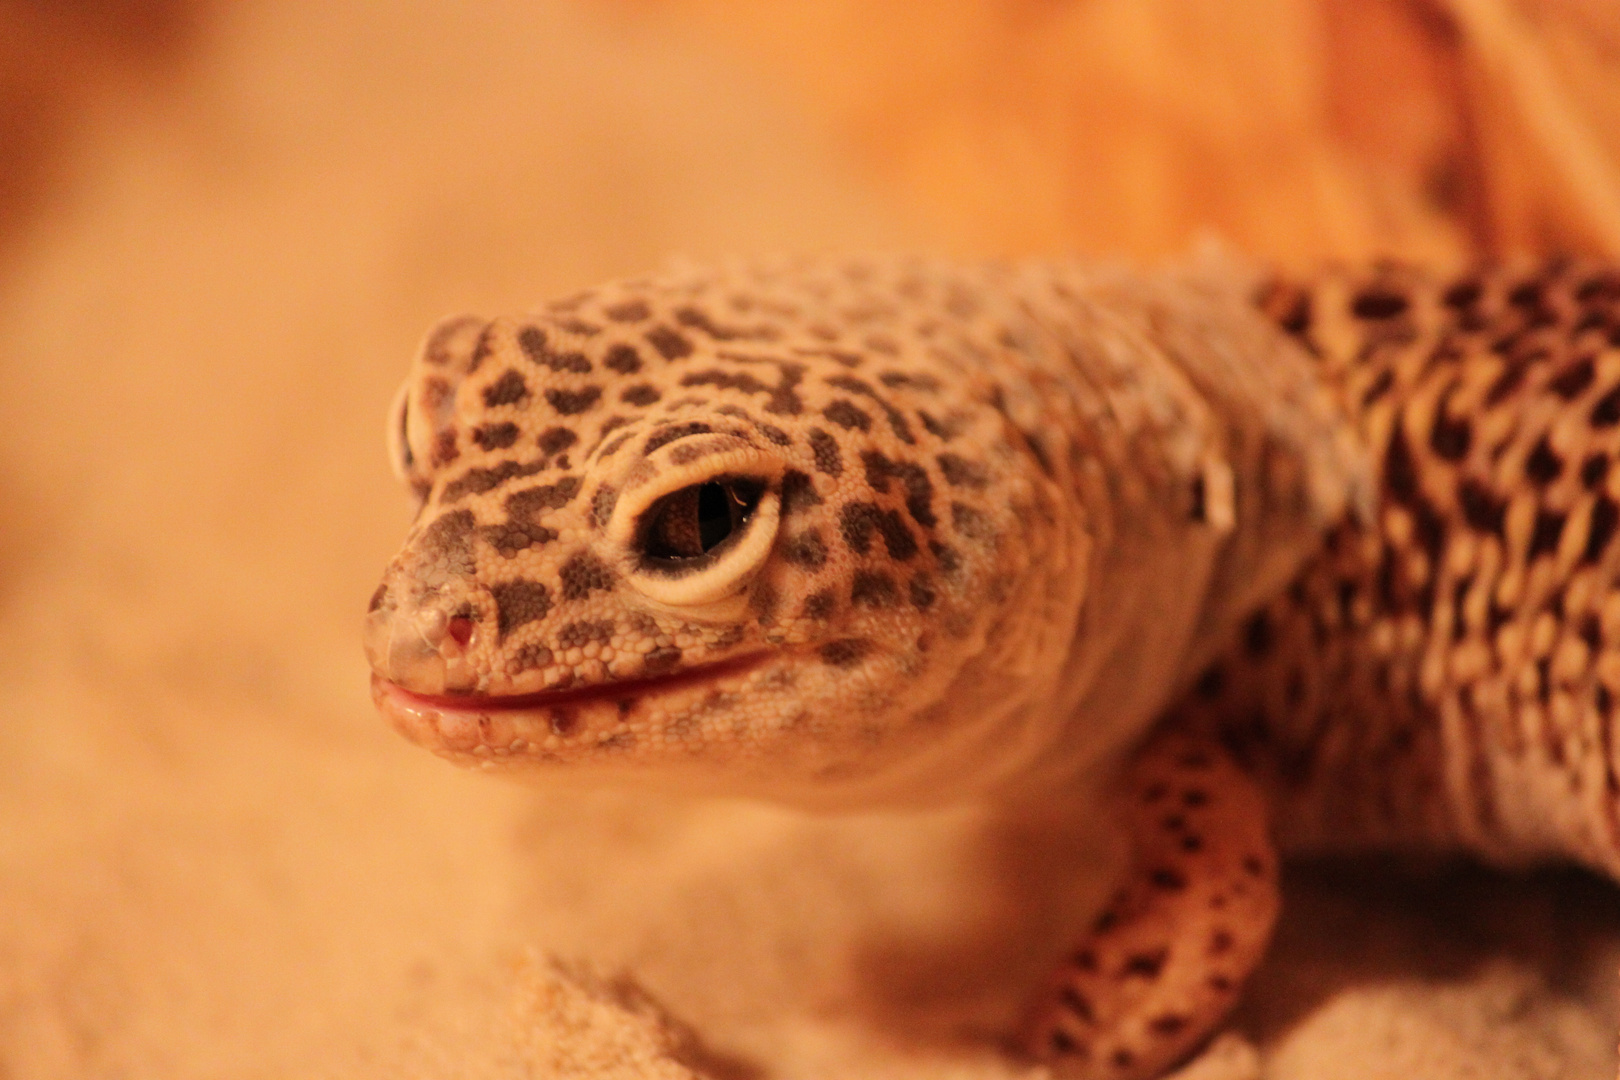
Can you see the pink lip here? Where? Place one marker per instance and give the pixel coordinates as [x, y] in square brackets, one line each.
[609, 691]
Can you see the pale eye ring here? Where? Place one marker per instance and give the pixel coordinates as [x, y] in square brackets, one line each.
[694, 527]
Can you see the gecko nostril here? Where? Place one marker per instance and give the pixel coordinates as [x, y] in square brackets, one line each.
[460, 630]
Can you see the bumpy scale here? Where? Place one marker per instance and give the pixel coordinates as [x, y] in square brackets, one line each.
[897, 532]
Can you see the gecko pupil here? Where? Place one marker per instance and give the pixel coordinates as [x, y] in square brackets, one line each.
[694, 521]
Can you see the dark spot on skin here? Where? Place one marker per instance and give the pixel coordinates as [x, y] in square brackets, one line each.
[670, 345]
[859, 520]
[513, 536]
[1542, 466]
[482, 349]
[690, 452]
[444, 448]
[1483, 511]
[764, 600]
[1220, 983]
[1606, 410]
[666, 435]
[1594, 470]
[1192, 843]
[641, 394]
[1146, 964]
[1380, 386]
[1572, 382]
[1168, 1025]
[506, 390]
[582, 632]
[944, 430]
[531, 657]
[1122, 1058]
[947, 558]
[1210, 684]
[897, 421]
[1259, 635]
[775, 434]
[1378, 304]
[844, 413]
[1400, 470]
[820, 605]
[1058, 1042]
[1590, 631]
[602, 504]
[573, 402]
[845, 652]
[557, 439]
[522, 504]
[922, 592]
[437, 349]
[1168, 879]
[478, 481]
[695, 319]
[1037, 450]
[1193, 798]
[563, 721]
[960, 472]
[807, 550]
[1156, 791]
[919, 489]
[873, 589]
[495, 436]
[533, 343]
[1077, 1003]
[1605, 516]
[1449, 438]
[1548, 531]
[623, 359]
[612, 447]
[1253, 866]
[1220, 942]
[1463, 294]
[783, 398]
[518, 603]
[825, 448]
[660, 660]
[798, 492]
[1506, 383]
[972, 523]
[583, 574]
[628, 311]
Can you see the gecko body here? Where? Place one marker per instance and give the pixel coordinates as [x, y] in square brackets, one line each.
[896, 532]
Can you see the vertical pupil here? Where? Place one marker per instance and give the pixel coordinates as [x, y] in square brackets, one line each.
[714, 515]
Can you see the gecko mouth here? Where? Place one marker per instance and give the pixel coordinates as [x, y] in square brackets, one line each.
[613, 691]
[539, 726]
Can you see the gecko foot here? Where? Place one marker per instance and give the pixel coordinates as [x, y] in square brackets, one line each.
[1165, 961]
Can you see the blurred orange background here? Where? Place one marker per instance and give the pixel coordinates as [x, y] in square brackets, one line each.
[223, 227]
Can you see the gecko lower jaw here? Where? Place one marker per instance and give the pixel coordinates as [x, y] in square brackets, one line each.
[468, 727]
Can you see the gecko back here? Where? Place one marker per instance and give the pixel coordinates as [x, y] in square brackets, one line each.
[1446, 673]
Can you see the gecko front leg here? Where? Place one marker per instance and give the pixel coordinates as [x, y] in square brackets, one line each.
[1165, 961]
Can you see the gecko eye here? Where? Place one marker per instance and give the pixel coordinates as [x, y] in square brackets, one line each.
[690, 528]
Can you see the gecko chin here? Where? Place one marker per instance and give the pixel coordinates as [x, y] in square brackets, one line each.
[618, 722]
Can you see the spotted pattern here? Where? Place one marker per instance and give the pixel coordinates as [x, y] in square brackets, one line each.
[900, 461]
[1447, 672]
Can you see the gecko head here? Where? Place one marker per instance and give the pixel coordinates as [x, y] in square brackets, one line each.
[675, 533]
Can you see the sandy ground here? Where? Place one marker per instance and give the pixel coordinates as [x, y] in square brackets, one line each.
[216, 862]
